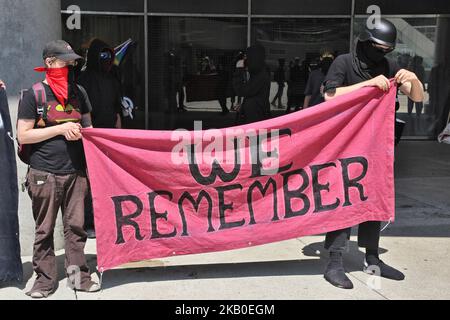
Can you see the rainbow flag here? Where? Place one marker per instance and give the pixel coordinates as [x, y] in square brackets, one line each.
[121, 51]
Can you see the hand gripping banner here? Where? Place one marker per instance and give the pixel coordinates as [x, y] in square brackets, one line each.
[161, 193]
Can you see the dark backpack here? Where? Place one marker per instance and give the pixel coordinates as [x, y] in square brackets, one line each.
[24, 150]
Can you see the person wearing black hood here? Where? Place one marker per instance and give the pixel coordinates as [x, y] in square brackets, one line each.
[104, 91]
[254, 86]
[102, 86]
[314, 86]
[366, 66]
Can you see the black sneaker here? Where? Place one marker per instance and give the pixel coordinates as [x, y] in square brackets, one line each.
[383, 270]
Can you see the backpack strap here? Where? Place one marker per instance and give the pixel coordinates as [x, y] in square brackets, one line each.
[41, 99]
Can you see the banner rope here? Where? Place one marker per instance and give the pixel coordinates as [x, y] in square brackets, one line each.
[101, 279]
[387, 225]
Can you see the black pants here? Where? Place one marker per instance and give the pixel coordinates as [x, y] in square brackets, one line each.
[419, 107]
[223, 103]
[368, 237]
[279, 94]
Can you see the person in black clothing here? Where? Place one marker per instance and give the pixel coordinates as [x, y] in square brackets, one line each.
[222, 85]
[104, 91]
[280, 79]
[102, 86]
[234, 105]
[366, 66]
[255, 89]
[174, 81]
[314, 86]
[298, 78]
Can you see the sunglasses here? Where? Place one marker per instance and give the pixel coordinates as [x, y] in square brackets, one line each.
[382, 48]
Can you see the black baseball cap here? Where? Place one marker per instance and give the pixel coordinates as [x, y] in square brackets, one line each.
[60, 49]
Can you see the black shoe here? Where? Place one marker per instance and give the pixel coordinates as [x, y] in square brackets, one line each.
[379, 268]
[338, 278]
[335, 274]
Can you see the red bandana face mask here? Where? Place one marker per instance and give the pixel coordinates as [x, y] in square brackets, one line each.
[58, 80]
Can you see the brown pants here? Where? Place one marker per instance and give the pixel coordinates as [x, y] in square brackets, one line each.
[49, 193]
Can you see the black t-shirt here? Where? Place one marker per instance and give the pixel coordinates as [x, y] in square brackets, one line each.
[313, 87]
[56, 155]
[342, 73]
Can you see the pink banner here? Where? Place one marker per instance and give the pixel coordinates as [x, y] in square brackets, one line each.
[161, 193]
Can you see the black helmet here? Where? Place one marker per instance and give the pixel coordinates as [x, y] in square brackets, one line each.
[384, 33]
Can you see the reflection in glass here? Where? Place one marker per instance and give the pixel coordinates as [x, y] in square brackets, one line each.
[298, 42]
[191, 63]
[115, 30]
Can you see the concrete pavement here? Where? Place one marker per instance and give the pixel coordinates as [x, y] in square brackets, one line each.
[418, 243]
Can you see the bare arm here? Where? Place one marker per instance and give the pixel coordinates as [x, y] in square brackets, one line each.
[381, 82]
[411, 85]
[26, 133]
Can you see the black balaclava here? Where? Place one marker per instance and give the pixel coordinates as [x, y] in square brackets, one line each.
[256, 59]
[366, 63]
[106, 63]
[325, 64]
[94, 61]
[371, 53]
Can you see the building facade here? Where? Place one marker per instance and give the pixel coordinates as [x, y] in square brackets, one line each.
[182, 44]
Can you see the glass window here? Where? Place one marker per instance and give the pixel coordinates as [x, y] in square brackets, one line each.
[106, 6]
[199, 6]
[304, 39]
[404, 7]
[191, 62]
[422, 45]
[115, 30]
[302, 7]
